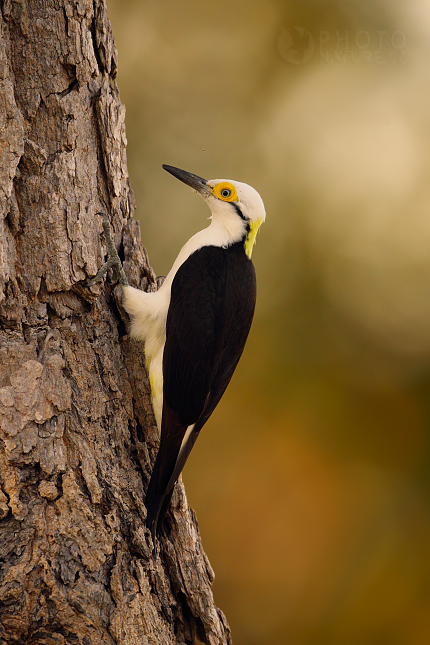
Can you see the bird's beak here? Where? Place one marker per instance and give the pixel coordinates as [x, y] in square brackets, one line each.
[194, 181]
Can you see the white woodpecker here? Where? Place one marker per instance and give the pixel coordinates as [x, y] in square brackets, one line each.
[195, 326]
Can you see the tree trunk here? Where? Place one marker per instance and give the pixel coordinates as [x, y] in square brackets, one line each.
[77, 432]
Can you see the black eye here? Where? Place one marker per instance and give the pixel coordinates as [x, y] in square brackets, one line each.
[226, 192]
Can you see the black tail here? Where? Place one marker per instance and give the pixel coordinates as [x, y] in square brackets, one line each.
[160, 486]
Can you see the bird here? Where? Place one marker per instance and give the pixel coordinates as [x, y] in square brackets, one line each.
[195, 326]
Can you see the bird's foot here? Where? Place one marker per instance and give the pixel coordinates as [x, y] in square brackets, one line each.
[113, 262]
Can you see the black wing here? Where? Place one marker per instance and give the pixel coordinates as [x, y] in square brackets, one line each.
[210, 314]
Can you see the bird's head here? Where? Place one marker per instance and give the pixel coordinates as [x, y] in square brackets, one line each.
[234, 205]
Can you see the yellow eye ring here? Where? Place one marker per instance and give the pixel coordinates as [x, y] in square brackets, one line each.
[226, 192]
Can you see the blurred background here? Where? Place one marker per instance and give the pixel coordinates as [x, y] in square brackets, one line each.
[311, 481]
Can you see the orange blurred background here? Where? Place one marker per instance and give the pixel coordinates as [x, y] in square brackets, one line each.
[311, 481]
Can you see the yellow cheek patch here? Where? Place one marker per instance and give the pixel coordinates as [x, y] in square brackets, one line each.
[250, 240]
[225, 191]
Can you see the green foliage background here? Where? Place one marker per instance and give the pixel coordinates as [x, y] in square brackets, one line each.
[311, 481]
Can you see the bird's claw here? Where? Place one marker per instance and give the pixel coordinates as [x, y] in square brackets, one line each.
[113, 262]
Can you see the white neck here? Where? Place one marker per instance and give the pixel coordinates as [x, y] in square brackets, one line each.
[224, 229]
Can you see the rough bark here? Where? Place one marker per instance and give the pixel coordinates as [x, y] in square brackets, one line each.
[77, 432]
